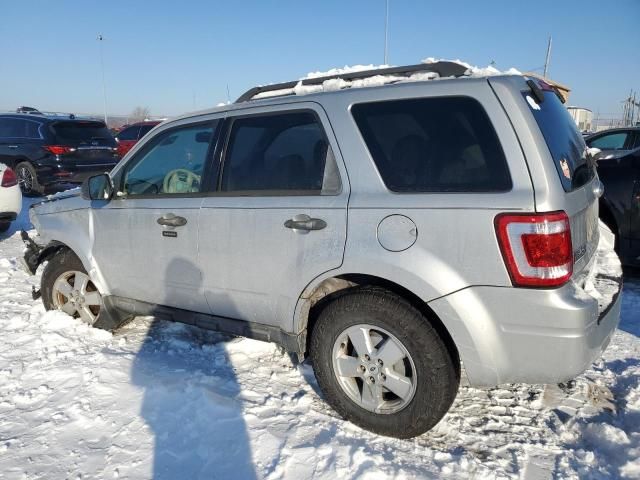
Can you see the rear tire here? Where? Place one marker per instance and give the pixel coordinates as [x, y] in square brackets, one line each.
[28, 179]
[413, 380]
[4, 226]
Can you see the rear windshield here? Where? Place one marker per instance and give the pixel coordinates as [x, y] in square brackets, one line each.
[82, 133]
[443, 144]
[565, 142]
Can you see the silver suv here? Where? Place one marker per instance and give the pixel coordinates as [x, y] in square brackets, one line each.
[397, 234]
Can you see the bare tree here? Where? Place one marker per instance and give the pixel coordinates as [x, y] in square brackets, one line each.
[139, 114]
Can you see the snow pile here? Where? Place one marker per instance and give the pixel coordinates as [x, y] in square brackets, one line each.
[377, 80]
[164, 400]
[475, 72]
[602, 281]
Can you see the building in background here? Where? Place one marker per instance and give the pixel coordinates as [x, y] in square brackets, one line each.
[561, 88]
[583, 118]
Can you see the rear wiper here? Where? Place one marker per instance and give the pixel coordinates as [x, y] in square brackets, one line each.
[536, 91]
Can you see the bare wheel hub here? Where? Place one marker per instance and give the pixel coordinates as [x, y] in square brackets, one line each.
[75, 294]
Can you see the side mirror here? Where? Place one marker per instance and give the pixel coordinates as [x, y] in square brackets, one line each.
[98, 187]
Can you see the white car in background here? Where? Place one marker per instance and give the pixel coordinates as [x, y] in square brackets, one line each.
[10, 197]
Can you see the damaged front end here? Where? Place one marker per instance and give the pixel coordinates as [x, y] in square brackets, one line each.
[35, 255]
[31, 257]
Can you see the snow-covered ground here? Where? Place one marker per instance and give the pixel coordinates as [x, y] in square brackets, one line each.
[165, 400]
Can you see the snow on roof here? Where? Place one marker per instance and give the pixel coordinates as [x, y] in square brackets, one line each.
[335, 84]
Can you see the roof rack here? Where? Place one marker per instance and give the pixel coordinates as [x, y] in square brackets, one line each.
[443, 69]
[71, 116]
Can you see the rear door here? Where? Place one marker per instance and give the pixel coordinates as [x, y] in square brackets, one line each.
[279, 217]
[20, 139]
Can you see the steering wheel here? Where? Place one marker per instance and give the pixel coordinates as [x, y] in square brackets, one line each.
[180, 180]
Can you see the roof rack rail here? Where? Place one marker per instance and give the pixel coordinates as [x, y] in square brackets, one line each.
[71, 116]
[443, 69]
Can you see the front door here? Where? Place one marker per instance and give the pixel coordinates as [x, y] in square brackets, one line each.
[279, 217]
[146, 240]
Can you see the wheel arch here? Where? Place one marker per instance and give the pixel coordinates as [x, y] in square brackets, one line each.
[55, 246]
[12, 163]
[317, 295]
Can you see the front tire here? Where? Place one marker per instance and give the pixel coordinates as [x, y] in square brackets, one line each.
[66, 286]
[4, 226]
[28, 179]
[381, 365]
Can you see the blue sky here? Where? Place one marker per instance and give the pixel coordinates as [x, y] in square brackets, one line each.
[173, 56]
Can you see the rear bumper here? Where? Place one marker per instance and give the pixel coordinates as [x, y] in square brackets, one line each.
[60, 174]
[508, 335]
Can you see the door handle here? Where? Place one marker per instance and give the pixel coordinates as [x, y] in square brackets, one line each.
[171, 220]
[305, 223]
[12, 147]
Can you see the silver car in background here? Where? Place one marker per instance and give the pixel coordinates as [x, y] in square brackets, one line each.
[399, 235]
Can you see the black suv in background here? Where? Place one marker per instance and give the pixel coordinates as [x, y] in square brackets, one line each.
[620, 204]
[54, 152]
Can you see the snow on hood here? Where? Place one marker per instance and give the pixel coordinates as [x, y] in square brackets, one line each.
[61, 201]
[73, 192]
[334, 84]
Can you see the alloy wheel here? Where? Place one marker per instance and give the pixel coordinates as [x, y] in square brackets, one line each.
[374, 369]
[25, 178]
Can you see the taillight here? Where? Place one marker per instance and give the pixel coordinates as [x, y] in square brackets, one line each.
[536, 248]
[9, 178]
[58, 149]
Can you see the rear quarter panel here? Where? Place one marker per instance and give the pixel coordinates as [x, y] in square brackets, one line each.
[456, 245]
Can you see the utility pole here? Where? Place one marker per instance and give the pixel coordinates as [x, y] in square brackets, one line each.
[104, 87]
[548, 57]
[386, 33]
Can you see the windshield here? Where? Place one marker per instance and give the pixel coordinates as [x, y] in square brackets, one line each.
[563, 139]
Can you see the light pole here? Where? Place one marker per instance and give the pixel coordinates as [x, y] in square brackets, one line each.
[386, 32]
[104, 87]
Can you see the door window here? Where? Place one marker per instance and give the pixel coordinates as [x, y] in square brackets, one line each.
[172, 163]
[283, 154]
[129, 133]
[20, 128]
[612, 141]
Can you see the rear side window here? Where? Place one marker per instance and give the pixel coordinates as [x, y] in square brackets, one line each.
[82, 133]
[563, 139]
[444, 144]
[286, 153]
[20, 128]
